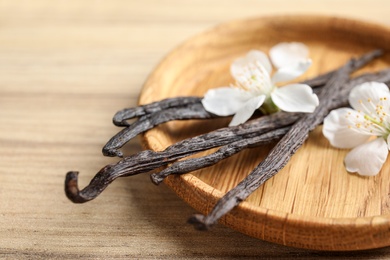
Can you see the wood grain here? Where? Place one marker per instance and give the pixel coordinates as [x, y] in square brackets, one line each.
[65, 68]
[313, 202]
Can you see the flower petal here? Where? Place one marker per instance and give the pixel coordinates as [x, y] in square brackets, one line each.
[285, 53]
[337, 129]
[388, 142]
[292, 71]
[367, 96]
[225, 101]
[237, 67]
[295, 98]
[247, 110]
[367, 159]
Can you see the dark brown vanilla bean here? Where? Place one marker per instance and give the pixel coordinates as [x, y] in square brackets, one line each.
[148, 121]
[121, 117]
[224, 152]
[148, 160]
[381, 76]
[285, 148]
[320, 80]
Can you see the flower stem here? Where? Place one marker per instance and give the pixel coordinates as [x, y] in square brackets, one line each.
[269, 107]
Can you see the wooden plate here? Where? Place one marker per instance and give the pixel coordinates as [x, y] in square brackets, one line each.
[313, 202]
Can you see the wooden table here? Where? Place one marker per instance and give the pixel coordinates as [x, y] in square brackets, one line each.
[65, 68]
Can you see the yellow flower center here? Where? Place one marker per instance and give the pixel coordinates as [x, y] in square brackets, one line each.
[374, 120]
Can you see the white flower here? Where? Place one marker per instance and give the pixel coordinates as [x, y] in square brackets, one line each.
[255, 88]
[355, 128]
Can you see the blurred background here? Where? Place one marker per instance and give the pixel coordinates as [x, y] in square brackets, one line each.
[65, 68]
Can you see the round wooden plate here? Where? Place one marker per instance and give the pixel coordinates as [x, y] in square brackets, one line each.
[313, 202]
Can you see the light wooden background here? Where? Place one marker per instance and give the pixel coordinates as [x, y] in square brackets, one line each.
[65, 68]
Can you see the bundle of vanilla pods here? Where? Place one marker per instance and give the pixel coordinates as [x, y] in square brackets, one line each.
[289, 129]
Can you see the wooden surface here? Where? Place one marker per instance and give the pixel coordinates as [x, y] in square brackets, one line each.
[312, 202]
[65, 68]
